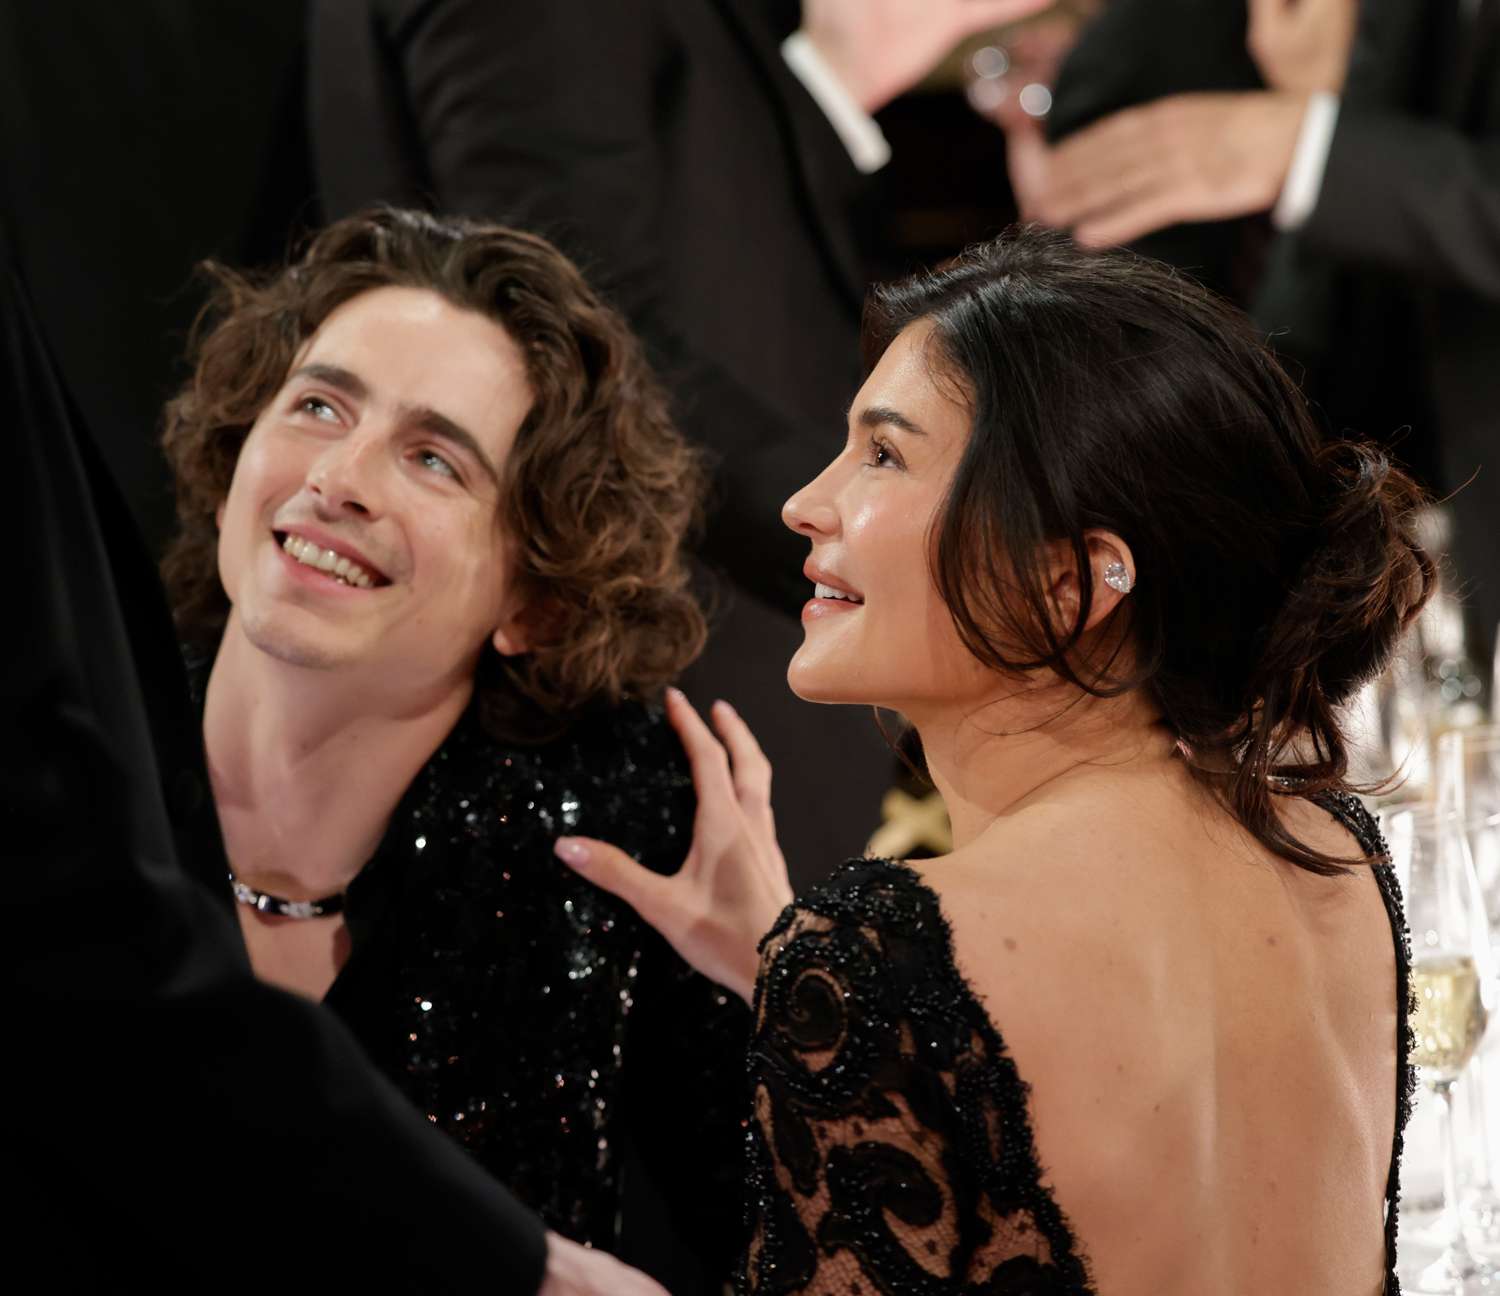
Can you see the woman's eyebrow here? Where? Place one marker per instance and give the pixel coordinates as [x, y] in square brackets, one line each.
[884, 416]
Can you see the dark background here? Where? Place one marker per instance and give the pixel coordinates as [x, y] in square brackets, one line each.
[137, 140]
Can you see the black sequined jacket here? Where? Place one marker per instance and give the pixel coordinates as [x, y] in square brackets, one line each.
[535, 1018]
[891, 1149]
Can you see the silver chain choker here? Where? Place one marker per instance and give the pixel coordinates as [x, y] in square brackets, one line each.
[266, 903]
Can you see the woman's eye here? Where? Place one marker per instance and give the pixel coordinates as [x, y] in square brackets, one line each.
[881, 454]
[434, 462]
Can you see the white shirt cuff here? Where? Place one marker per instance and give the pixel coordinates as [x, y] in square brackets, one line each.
[865, 140]
[1304, 178]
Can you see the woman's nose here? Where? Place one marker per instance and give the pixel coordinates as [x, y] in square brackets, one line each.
[811, 511]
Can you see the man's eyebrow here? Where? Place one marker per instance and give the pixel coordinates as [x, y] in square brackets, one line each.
[348, 382]
[884, 416]
[423, 416]
[443, 427]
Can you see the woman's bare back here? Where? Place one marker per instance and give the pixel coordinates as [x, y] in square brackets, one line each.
[1209, 1034]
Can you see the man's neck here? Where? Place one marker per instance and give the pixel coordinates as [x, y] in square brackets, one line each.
[308, 765]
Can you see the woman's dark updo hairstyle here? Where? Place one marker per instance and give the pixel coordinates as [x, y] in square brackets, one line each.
[1275, 570]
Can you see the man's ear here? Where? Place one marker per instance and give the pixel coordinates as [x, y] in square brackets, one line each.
[513, 636]
[525, 622]
[1111, 565]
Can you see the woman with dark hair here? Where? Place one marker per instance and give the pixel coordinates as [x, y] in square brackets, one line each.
[1144, 1029]
[431, 579]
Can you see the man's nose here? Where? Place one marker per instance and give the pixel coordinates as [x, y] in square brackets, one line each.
[344, 479]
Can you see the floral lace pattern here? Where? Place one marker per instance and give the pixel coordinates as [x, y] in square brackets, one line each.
[890, 1143]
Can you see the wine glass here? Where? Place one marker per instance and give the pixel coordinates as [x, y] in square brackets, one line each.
[1450, 960]
[1468, 787]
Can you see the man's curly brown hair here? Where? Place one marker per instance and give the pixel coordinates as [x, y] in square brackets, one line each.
[600, 489]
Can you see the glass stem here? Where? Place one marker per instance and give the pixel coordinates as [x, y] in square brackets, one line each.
[1479, 1109]
[1457, 1254]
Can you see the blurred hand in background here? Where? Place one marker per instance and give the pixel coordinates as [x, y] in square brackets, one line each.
[1182, 158]
[881, 48]
[1011, 86]
[1192, 157]
[1302, 45]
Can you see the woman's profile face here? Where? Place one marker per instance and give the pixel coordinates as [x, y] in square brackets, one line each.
[889, 640]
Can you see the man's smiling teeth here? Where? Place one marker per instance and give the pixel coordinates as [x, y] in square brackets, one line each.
[827, 591]
[311, 555]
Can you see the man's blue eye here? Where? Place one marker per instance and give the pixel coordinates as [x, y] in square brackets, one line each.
[431, 459]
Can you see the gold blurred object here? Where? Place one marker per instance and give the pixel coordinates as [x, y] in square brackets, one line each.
[910, 824]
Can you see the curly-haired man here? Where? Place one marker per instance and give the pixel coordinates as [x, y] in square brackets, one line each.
[429, 578]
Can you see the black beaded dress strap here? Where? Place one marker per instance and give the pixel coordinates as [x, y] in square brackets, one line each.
[1351, 812]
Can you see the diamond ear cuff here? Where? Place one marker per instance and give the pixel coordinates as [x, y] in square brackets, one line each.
[1118, 578]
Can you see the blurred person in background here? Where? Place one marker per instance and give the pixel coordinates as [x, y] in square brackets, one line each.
[1342, 158]
[712, 178]
[184, 122]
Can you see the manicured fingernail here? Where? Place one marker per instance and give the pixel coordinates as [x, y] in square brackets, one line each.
[724, 706]
[674, 694]
[572, 850]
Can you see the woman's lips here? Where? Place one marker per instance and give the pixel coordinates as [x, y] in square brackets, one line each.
[815, 609]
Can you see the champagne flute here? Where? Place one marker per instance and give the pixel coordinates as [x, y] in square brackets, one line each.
[1450, 955]
[1468, 787]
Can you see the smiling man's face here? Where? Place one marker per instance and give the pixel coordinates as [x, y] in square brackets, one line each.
[362, 529]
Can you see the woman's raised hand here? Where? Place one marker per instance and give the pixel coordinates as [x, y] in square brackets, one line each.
[733, 884]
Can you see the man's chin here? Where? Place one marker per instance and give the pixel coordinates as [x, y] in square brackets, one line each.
[292, 647]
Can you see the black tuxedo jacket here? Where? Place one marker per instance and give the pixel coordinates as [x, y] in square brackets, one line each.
[136, 140]
[1405, 241]
[1387, 299]
[167, 1119]
[666, 147]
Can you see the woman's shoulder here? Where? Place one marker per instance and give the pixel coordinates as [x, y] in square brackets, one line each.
[1356, 818]
[878, 931]
[961, 905]
[878, 896]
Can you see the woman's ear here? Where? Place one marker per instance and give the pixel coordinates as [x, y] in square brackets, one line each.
[219, 515]
[1112, 567]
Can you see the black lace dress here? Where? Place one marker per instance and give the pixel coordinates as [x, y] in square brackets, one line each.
[852, 1192]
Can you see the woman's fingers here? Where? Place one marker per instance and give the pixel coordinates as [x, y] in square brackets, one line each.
[750, 770]
[611, 869]
[706, 756]
[705, 928]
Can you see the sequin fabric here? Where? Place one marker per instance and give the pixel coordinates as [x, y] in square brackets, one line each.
[890, 1151]
[533, 1017]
